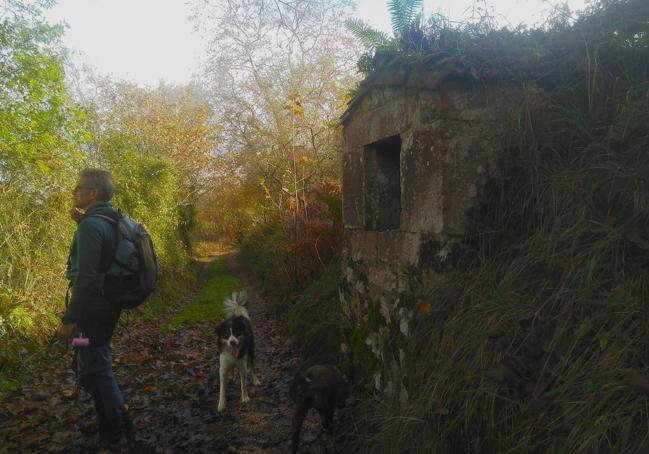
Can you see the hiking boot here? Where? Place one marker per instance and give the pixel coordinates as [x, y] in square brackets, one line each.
[95, 443]
[87, 427]
[111, 430]
[120, 445]
[118, 433]
[128, 428]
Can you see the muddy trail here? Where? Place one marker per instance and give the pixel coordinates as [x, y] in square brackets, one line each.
[170, 383]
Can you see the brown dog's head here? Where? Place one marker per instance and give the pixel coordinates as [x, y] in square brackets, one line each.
[321, 384]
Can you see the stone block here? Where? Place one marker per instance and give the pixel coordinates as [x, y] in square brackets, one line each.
[363, 245]
[388, 120]
[382, 276]
[398, 248]
[422, 183]
[476, 102]
[396, 76]
[470, 152]
[374, 99]
[432, 80]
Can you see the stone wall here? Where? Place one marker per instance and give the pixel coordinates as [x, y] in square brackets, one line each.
[441, 141]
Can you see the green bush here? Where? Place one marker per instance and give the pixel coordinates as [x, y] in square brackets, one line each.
[45, 140]
[41, 130]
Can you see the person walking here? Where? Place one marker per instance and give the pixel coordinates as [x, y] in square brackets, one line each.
[89, 313]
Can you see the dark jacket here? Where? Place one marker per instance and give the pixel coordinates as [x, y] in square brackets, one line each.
[91, 253]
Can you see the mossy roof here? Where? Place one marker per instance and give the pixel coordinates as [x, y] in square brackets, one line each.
[422, 72]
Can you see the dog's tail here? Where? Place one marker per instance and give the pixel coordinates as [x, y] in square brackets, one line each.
[235, 305]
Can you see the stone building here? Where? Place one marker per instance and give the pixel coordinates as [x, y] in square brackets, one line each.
[418, 146]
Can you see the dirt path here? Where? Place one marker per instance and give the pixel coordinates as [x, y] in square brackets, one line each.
[170, 382]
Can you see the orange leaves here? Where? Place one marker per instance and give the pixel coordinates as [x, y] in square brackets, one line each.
[424, 307]
[135, 358]
[294, 105]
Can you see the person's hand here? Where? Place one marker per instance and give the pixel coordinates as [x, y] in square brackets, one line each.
[65, 332]
[76, 213]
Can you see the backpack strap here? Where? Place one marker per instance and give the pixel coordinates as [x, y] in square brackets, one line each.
[105, 261]
[103, 216]
[116, 223]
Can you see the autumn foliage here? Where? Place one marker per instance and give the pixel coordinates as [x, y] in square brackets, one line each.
[287, 254]
[280, 199]
[156, 142]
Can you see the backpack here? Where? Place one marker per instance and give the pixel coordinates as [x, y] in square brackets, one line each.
[133, 272]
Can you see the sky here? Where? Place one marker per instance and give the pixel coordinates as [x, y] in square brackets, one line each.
[148, 41]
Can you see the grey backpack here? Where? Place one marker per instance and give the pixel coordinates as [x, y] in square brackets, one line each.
[133, 272]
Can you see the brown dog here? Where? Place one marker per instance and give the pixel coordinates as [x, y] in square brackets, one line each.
[321, 387]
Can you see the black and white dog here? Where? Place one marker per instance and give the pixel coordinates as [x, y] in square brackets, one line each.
[236, 347]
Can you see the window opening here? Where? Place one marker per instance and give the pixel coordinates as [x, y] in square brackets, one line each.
[382, 190]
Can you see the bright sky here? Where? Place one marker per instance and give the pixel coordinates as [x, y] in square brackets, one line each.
[146, 41]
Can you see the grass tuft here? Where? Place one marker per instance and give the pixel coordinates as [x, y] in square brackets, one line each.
[208, 305]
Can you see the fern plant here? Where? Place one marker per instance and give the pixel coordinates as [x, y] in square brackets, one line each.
[407, 32]
[404, 14]
[369, 37]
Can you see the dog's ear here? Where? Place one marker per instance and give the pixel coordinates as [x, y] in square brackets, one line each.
[299, 388]
[221, 330]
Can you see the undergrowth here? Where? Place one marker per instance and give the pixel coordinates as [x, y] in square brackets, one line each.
[536, 339]
[31, 353]
[297, 267]
[313, 319]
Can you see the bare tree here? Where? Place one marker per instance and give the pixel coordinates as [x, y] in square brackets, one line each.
[277, 74]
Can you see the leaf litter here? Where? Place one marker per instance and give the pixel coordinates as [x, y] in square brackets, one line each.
[170, 384]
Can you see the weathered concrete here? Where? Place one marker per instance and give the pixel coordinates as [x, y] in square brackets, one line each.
[371, 124]
[398, 248]
[449, 146]
[353, 192]
[382, 276]
[450, 134]
[363, 245]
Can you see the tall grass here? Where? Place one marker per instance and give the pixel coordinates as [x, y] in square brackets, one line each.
[313, 318]
[536, 340]
[34, 240]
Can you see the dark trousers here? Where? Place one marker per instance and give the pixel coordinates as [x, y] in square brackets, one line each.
[93, 365]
